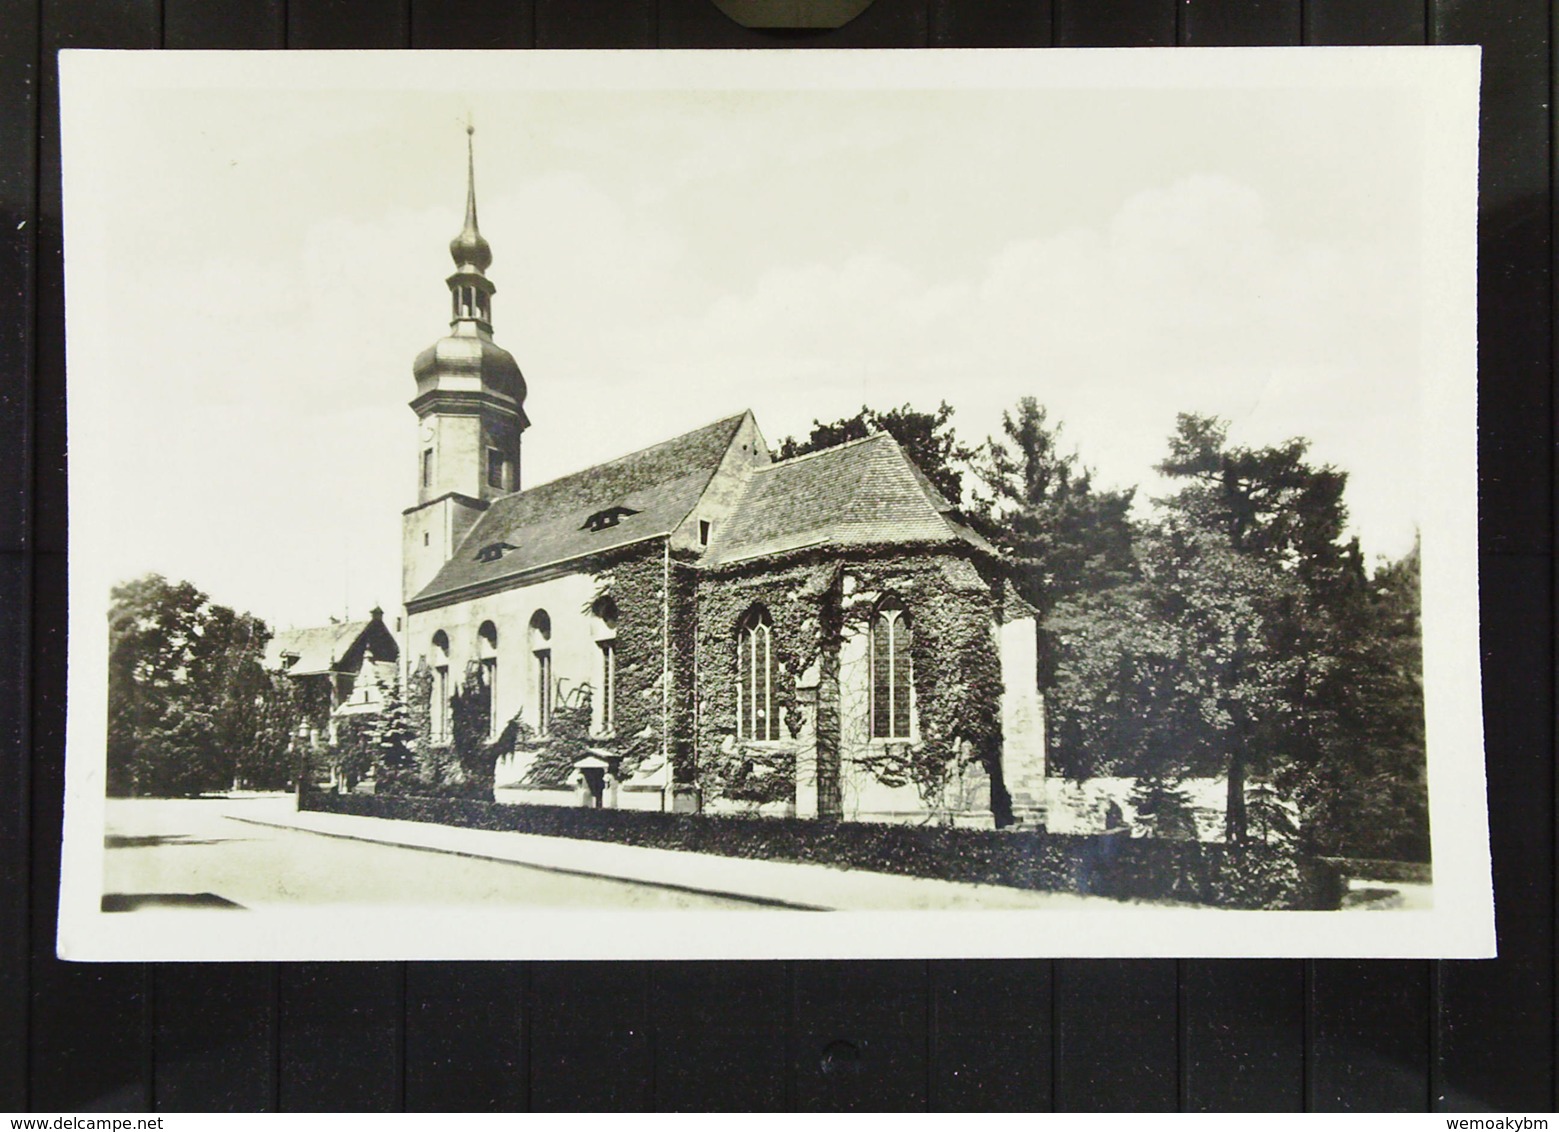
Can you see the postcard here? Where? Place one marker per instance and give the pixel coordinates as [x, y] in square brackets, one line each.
[773, 504]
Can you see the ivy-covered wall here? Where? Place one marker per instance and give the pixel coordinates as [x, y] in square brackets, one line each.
[953, 608]
[635, 581]
[676, 669]
[462, 765]
[681, 665]
[796, 598]
[820, 609]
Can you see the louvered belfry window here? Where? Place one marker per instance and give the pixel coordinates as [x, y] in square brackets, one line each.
[755, 714]
[891, 673]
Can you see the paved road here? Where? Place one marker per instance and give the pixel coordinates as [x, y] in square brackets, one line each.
[162, 853]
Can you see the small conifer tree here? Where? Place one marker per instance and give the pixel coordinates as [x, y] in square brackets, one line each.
[1163, 809]
[1270, 821]
[391, 739]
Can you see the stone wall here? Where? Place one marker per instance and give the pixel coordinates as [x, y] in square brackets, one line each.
[1084, 807]
[1022, 721]
[429, 536]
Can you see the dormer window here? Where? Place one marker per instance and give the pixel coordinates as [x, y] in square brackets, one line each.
[608, 518]
[493, 551]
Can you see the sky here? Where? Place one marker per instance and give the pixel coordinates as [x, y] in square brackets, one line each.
[252, 267]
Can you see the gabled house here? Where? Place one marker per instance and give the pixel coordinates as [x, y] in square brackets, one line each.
[342, 669]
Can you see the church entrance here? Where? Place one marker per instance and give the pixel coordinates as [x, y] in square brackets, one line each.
[596, 784]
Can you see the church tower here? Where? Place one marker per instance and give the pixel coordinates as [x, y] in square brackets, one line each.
[470, 407]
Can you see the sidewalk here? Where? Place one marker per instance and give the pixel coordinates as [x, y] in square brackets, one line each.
[780, 884]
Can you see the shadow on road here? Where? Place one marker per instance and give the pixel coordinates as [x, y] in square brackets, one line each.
[151, 840]
[135, 901]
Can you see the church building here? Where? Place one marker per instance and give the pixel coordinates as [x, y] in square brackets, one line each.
[699, 626]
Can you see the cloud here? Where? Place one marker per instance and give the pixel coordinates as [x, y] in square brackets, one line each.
[664, 260]
[1188, 299]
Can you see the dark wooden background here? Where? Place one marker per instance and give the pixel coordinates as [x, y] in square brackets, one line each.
[1069, 1034]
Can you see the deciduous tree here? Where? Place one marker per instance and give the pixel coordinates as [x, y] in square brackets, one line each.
[189, 703]
[927, 438]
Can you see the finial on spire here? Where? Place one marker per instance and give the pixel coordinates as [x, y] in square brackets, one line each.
[469, 249]
[470, 176]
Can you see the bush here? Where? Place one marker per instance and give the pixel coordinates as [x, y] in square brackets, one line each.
[351, 756]
[1248, 876]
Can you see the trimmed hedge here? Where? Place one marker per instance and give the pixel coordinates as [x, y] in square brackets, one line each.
[1253, 876]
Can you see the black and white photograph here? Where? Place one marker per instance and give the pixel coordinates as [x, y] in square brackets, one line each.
[549, 505]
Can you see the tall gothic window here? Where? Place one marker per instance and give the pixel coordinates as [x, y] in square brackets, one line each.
[755, 714]
[487, 655]
[891, 672]
[438, 706]
[541, 651]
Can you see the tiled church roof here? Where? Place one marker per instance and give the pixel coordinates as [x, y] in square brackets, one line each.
[866, 492]
[651, 490]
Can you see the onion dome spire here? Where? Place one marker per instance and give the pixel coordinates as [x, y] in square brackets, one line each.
[470, 401]
[469, 250]
[448, 367]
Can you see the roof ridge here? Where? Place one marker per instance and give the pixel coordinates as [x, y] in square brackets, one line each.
[331, 627]
[661, 483]
[733, 418]
[950, 514]
[791, 461]
[939, 502]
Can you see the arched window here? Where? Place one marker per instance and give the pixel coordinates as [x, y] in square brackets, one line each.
[438, 705]
[487, 656]
[541, 650]
[891, 672]
[603, 627]
[755, 714]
